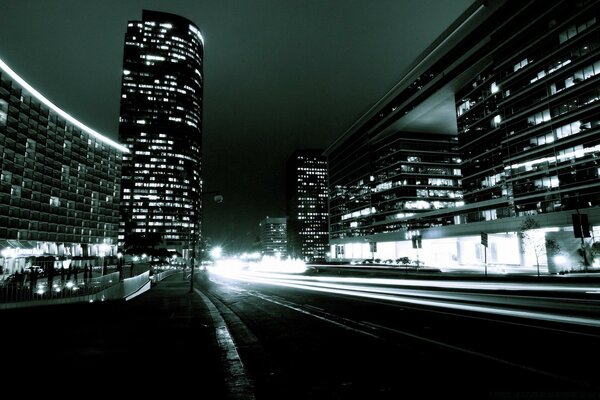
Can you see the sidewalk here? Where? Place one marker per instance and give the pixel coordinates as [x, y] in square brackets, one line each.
[161, 342]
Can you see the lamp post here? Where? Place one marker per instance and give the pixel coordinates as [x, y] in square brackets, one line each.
[120, 265]
[217, 198]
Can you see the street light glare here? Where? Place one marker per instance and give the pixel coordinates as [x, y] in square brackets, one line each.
[216, 252]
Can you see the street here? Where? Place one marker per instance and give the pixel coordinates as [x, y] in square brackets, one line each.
[247, 336]
[303, 343]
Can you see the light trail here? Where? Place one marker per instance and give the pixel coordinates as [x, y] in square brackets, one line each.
[412, 292]
[242, 274]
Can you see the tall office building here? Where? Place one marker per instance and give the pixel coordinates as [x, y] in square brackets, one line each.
[59, 184]
[161, 124]
[514, 87]
[273, 237]
[306, 187]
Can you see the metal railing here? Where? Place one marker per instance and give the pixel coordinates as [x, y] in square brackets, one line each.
[55, 288]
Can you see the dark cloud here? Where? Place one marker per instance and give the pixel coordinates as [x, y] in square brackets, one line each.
[279, 75]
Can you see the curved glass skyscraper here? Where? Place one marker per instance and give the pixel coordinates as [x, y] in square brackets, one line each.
[161, 125]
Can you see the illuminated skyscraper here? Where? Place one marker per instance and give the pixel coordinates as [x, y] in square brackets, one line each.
[161, 125]
[307, 204]
[494, 128]
[59, 184]
[273, 240]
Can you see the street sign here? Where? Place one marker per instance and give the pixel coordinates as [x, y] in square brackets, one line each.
[484, 239]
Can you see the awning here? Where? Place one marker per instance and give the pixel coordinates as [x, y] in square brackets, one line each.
[18, 248]
[17, 244]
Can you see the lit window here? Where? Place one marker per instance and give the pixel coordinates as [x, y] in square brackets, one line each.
[3, 112]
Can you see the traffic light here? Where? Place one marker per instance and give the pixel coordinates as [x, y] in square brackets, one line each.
[576, 225]
[416, 242]
[581, 225]
[585, 226]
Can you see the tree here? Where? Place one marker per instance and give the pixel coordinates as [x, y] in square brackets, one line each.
[594, 251]
[531, 239]
[588, 252]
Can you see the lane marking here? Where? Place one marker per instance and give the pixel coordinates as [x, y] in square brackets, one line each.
[371, 325]
[239, 385]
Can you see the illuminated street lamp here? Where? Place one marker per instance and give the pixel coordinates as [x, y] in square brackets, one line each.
[217, 198]
[216, 252]
[120, 265]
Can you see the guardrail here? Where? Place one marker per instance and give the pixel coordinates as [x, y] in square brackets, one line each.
[107, 287]
[164, 274]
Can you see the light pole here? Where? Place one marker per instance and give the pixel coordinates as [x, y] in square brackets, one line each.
[217, 198]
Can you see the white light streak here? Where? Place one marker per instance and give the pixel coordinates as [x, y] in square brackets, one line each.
[410, 291]
[56, 109]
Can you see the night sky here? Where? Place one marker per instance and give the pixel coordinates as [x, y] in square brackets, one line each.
[279, 75]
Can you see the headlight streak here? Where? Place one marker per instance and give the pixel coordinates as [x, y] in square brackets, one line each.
[506, 286]
[499, 299]
[435, 299]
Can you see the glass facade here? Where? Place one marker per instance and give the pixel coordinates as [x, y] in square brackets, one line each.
[524, 141]
[307, 225]
[59, 181]
[160, 123]
[273, 237]
[530, 133]
[405, 175]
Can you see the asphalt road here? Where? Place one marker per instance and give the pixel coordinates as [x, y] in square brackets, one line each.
[279, 338]
[299, 341]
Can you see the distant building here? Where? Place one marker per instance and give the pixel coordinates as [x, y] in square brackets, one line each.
[306, 187]
[514, 87]
[59, 184]
[161, 124]
[273, 237]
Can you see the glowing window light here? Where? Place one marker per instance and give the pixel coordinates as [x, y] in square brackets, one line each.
[494, 88]
[197, 32]
[56, 109]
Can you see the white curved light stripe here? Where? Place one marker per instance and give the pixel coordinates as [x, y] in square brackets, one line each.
[56, 109]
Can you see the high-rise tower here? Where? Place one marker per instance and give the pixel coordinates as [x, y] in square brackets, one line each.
[161, 124]
[307, 214]
[273, 238]
[493, 130]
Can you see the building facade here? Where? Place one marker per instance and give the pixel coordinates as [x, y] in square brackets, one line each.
[514, 86]
[306, 199]
[161, 124]
[59, 184]
[273, 237]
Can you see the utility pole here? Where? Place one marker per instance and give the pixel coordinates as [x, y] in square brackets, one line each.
[484, 243]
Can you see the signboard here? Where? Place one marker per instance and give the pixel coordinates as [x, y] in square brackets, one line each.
[484, 239]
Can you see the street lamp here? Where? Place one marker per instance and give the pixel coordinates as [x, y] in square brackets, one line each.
[216, 252]
[120, 265]
[217, 198]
